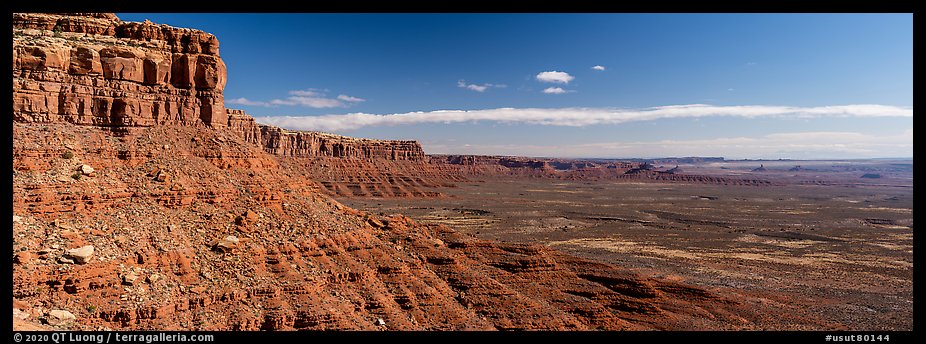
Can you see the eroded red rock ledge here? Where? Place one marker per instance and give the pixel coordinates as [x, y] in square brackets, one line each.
[141, 203]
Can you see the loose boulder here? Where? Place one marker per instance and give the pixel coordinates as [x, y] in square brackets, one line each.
[81, 255]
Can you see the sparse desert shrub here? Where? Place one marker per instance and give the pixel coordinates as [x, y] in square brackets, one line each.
[76, 176]
[67, 154]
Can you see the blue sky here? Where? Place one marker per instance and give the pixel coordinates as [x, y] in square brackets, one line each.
[772, 86]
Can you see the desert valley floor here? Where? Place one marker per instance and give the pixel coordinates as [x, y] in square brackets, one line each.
[840, 254]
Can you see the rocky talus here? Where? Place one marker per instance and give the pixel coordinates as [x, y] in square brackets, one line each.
[184, 240]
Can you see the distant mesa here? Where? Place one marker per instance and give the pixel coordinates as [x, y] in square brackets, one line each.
[673, 170]
[646, 166]
[688, 160]
[797, 168]
[761, 168]
[282, 142]
[871, 175]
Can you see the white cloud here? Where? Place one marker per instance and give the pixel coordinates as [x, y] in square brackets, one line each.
[313, 98]
[577, 117]
[555, 90]
[348, 98]
[478, 88]
[792, 145]
[312, 92]
[246, 101]
[312, 102]
[555, 77]
[599, 67]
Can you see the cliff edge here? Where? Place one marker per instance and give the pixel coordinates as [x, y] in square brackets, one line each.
[94, 69]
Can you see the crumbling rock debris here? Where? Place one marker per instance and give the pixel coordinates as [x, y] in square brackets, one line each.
[152, 278]
[375, 223]
[248, 217]
[226, 244]
[60, 317]
[19, 314]
[80, 255]
[129, 278]
[85, 169]
[22, 257]
[161, 176]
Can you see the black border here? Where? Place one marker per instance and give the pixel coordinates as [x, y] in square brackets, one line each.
[483, 6]
[589, 337]
[473, 6]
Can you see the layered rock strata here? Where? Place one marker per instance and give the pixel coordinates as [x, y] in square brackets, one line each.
[310, 144]
[476, 166]
[94, 69]
[183, 223]
[346, 166]
[183, 241]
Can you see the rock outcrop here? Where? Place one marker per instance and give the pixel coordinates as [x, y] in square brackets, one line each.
[256, 247]
[81, 255]
[97, 70]
[346, 166]
[186, 224]
[310, 144]
[462, 167]
[93, 69]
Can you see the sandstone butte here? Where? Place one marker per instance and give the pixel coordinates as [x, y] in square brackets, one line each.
[200, 218]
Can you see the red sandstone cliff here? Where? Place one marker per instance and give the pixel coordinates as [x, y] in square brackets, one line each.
[179, 221]
[346, 166]
[95, 69]
[309, 144]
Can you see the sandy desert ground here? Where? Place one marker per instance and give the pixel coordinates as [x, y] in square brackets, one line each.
[822, 242]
